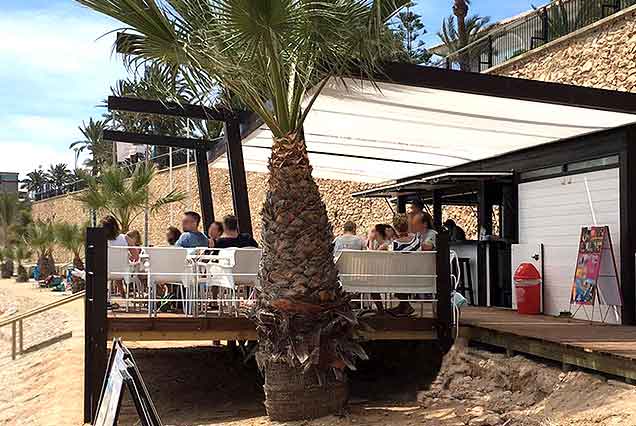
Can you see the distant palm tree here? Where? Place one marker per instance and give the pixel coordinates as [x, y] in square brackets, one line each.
[115, 194]
[59, 176]
[472, 28]
[10, 207]
[71, 237]
[35, 181]
[41, 238]
[100, 151]
[277, 56]
[20, 253]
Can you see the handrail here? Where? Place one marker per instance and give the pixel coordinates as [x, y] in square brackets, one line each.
[41, 309]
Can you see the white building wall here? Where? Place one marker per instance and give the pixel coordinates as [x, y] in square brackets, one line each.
[552, 212]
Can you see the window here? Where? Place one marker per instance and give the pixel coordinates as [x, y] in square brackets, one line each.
[548, 171]
[593, 164]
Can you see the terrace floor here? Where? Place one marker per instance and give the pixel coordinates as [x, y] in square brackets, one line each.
[610, 349]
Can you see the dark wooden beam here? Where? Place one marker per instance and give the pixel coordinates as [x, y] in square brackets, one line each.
[238, 181]
[401, 204]
[437, 209]
[508, 87]
[627, 174]
[205, 190]
[444, 307]
[145, 106]
[159, 140]
[95, 332]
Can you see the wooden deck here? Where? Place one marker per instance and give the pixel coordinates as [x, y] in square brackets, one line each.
[139, 327]
[606, 348]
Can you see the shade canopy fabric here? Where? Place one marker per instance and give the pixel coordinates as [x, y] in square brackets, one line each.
[362, 132]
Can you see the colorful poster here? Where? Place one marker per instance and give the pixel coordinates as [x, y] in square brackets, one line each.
[588, 265]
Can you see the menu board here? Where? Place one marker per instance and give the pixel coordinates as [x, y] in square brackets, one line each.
[596, 277]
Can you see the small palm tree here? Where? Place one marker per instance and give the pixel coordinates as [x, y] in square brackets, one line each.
[20, 253]
[9, 211]
[58, 176]
[71, 237]
[114, 193]
[276, 56]
[35, 181]
[455, 39]
[7, 262]
[41, 238]
[100, 151]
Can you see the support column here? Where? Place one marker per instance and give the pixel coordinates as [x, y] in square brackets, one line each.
[510, 211]
[437, 210]
[205, 190]
[240, 199]
[628, 228]
[484, 210]
[95, 333]
[401, 204]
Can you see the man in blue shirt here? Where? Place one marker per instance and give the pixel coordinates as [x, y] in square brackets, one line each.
[191, 237]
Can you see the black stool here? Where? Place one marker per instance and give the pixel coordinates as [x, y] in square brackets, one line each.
[465, 285]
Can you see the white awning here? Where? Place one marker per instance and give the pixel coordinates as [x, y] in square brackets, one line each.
[361, 134]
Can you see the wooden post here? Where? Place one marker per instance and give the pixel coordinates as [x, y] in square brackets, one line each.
[437, 210]
[205, 190]
[444, 308]
[234, 151]
[628, 229]
[401, 204]
[13, 344]
[21, 341]
[95, 334]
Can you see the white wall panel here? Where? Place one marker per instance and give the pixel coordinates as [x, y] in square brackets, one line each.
[552, 212]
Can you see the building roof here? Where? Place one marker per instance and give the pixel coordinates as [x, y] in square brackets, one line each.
[421, 119]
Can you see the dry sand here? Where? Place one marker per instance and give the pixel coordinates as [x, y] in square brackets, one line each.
[206, 386]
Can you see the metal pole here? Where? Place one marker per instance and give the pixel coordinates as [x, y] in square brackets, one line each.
[171, 177]
[146, 210]
[13, 349]
[21, 341]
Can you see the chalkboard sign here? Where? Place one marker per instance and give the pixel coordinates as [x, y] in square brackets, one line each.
[122, 370]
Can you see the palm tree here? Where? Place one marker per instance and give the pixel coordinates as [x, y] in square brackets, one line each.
[9, 214]
[71, 237]
[474, 28]
[41, 238]
[20, 253]
[100, 151]
[114, 193]
[276, 56]
[35, 181]
[59, 176]
[6, 257]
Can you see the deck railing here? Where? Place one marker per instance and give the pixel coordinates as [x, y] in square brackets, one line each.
[544, 25]
[16, 321]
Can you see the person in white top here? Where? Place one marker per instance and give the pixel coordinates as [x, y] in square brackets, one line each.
[348, 240]
[115, 239]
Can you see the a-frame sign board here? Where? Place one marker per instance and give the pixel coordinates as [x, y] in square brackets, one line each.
[122, 371]
[596, 280]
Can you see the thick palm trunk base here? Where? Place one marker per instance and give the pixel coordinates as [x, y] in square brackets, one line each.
[292, 395]
[304, 321]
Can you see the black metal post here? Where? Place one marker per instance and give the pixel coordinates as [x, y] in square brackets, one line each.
[628, 229]
[401, 204]
[205, 190]
[437, 210]
[484, 210]
[95, 333]
[444, 307]
[240, 198]
[490, 52]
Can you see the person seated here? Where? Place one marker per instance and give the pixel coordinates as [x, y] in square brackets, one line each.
[378, 238]
[455, 232]
[134, 240]
[172, 235]
[214, 232]
[191, 236]
[404, 241]
[231, 236]
[422, 224]
[348, 240]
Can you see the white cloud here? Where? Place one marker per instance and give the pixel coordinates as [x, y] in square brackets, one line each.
[24, 157]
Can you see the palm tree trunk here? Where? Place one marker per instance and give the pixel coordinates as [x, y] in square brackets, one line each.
[301, 311]
[460, 10]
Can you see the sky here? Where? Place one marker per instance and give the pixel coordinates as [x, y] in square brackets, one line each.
[57, 66]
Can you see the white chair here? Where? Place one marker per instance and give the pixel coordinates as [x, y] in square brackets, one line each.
[234, 268]
[168, 265]
[120, 268]
[387, 272]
